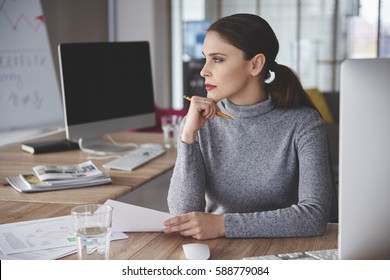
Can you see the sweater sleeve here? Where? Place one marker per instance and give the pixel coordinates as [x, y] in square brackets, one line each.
[309, 216]
[187, 187]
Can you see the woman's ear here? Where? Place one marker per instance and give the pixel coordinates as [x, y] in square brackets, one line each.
[258, 62]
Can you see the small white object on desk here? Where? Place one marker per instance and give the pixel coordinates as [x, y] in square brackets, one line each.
[196, 251]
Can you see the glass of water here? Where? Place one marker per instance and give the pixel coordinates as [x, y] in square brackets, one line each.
[170, 125]
[92, 227]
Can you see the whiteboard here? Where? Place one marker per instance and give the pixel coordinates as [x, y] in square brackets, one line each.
[29, 91]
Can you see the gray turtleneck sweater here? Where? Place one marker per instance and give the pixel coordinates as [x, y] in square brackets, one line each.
[267, 171]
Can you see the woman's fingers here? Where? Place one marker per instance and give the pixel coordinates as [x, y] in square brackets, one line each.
[201, 109]
[205, 106]
[177, 220]
[178, 223]
[199, 225]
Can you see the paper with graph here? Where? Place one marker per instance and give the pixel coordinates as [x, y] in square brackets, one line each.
[41, 239]
[36, 235]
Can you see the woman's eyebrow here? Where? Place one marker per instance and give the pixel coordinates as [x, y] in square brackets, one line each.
[215, 53]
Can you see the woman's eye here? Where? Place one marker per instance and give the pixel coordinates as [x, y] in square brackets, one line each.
[217, 59]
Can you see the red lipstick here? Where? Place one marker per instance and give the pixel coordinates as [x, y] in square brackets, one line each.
[209, 87]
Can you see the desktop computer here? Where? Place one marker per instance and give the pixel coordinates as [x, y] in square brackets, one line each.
[364, 230]
[107, 87]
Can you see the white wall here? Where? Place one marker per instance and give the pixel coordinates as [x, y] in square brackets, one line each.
[149, 20]
[135, 20]
[67, 22]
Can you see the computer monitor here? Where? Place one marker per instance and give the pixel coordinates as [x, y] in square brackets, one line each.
[107, 87]
[364, 204]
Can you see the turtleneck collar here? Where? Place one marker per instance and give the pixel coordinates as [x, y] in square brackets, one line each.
[247, 111]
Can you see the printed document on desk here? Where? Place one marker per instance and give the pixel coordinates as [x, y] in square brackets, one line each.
[49, 238]
[131, 218]
[36, 235]
[48, 254]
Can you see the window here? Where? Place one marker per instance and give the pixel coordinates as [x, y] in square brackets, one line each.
[314, 36]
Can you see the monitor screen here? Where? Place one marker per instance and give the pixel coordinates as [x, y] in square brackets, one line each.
[364, 231]
[107, 87]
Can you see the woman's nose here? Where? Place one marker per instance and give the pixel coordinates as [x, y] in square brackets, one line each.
[204, 72]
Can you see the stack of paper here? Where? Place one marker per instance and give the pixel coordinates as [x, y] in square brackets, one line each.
[57, 177]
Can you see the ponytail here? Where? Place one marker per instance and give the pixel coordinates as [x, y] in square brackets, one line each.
[286, 89]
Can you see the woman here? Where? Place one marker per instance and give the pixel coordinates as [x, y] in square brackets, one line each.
[263, 174]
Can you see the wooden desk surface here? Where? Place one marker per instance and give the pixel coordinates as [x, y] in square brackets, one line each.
[16, 207]
[160, 246]
[147, 246]
[14, 161]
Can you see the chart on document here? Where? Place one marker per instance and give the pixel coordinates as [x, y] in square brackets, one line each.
[36, 235]
[29, 90]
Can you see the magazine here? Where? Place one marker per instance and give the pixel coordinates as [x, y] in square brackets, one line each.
[60, 172]
[58, 177]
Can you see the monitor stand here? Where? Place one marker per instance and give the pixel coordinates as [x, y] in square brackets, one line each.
[98, 146]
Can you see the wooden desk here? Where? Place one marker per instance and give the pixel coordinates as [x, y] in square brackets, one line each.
[160, 246]
[16, 207]
[14, 161]
[147, 246]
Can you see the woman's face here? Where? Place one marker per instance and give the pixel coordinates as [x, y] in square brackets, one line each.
[226, 72]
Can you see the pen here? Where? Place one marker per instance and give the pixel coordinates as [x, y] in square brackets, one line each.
[219, 113]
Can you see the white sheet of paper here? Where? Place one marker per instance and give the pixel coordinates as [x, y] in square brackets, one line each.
[130, 218]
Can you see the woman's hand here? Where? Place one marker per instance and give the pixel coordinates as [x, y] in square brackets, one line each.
[201, 109]
[199, 225]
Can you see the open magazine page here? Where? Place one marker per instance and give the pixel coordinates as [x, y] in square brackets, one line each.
[32, 181]
[59, 177]
[61, 172]
[27, 183]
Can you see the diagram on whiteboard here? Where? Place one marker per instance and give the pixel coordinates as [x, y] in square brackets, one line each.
[29, 91]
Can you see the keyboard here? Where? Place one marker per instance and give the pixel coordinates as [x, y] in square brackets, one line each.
[329, 254]
[136, 158]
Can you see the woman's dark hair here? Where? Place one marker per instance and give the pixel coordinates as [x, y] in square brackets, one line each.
[253, 35]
